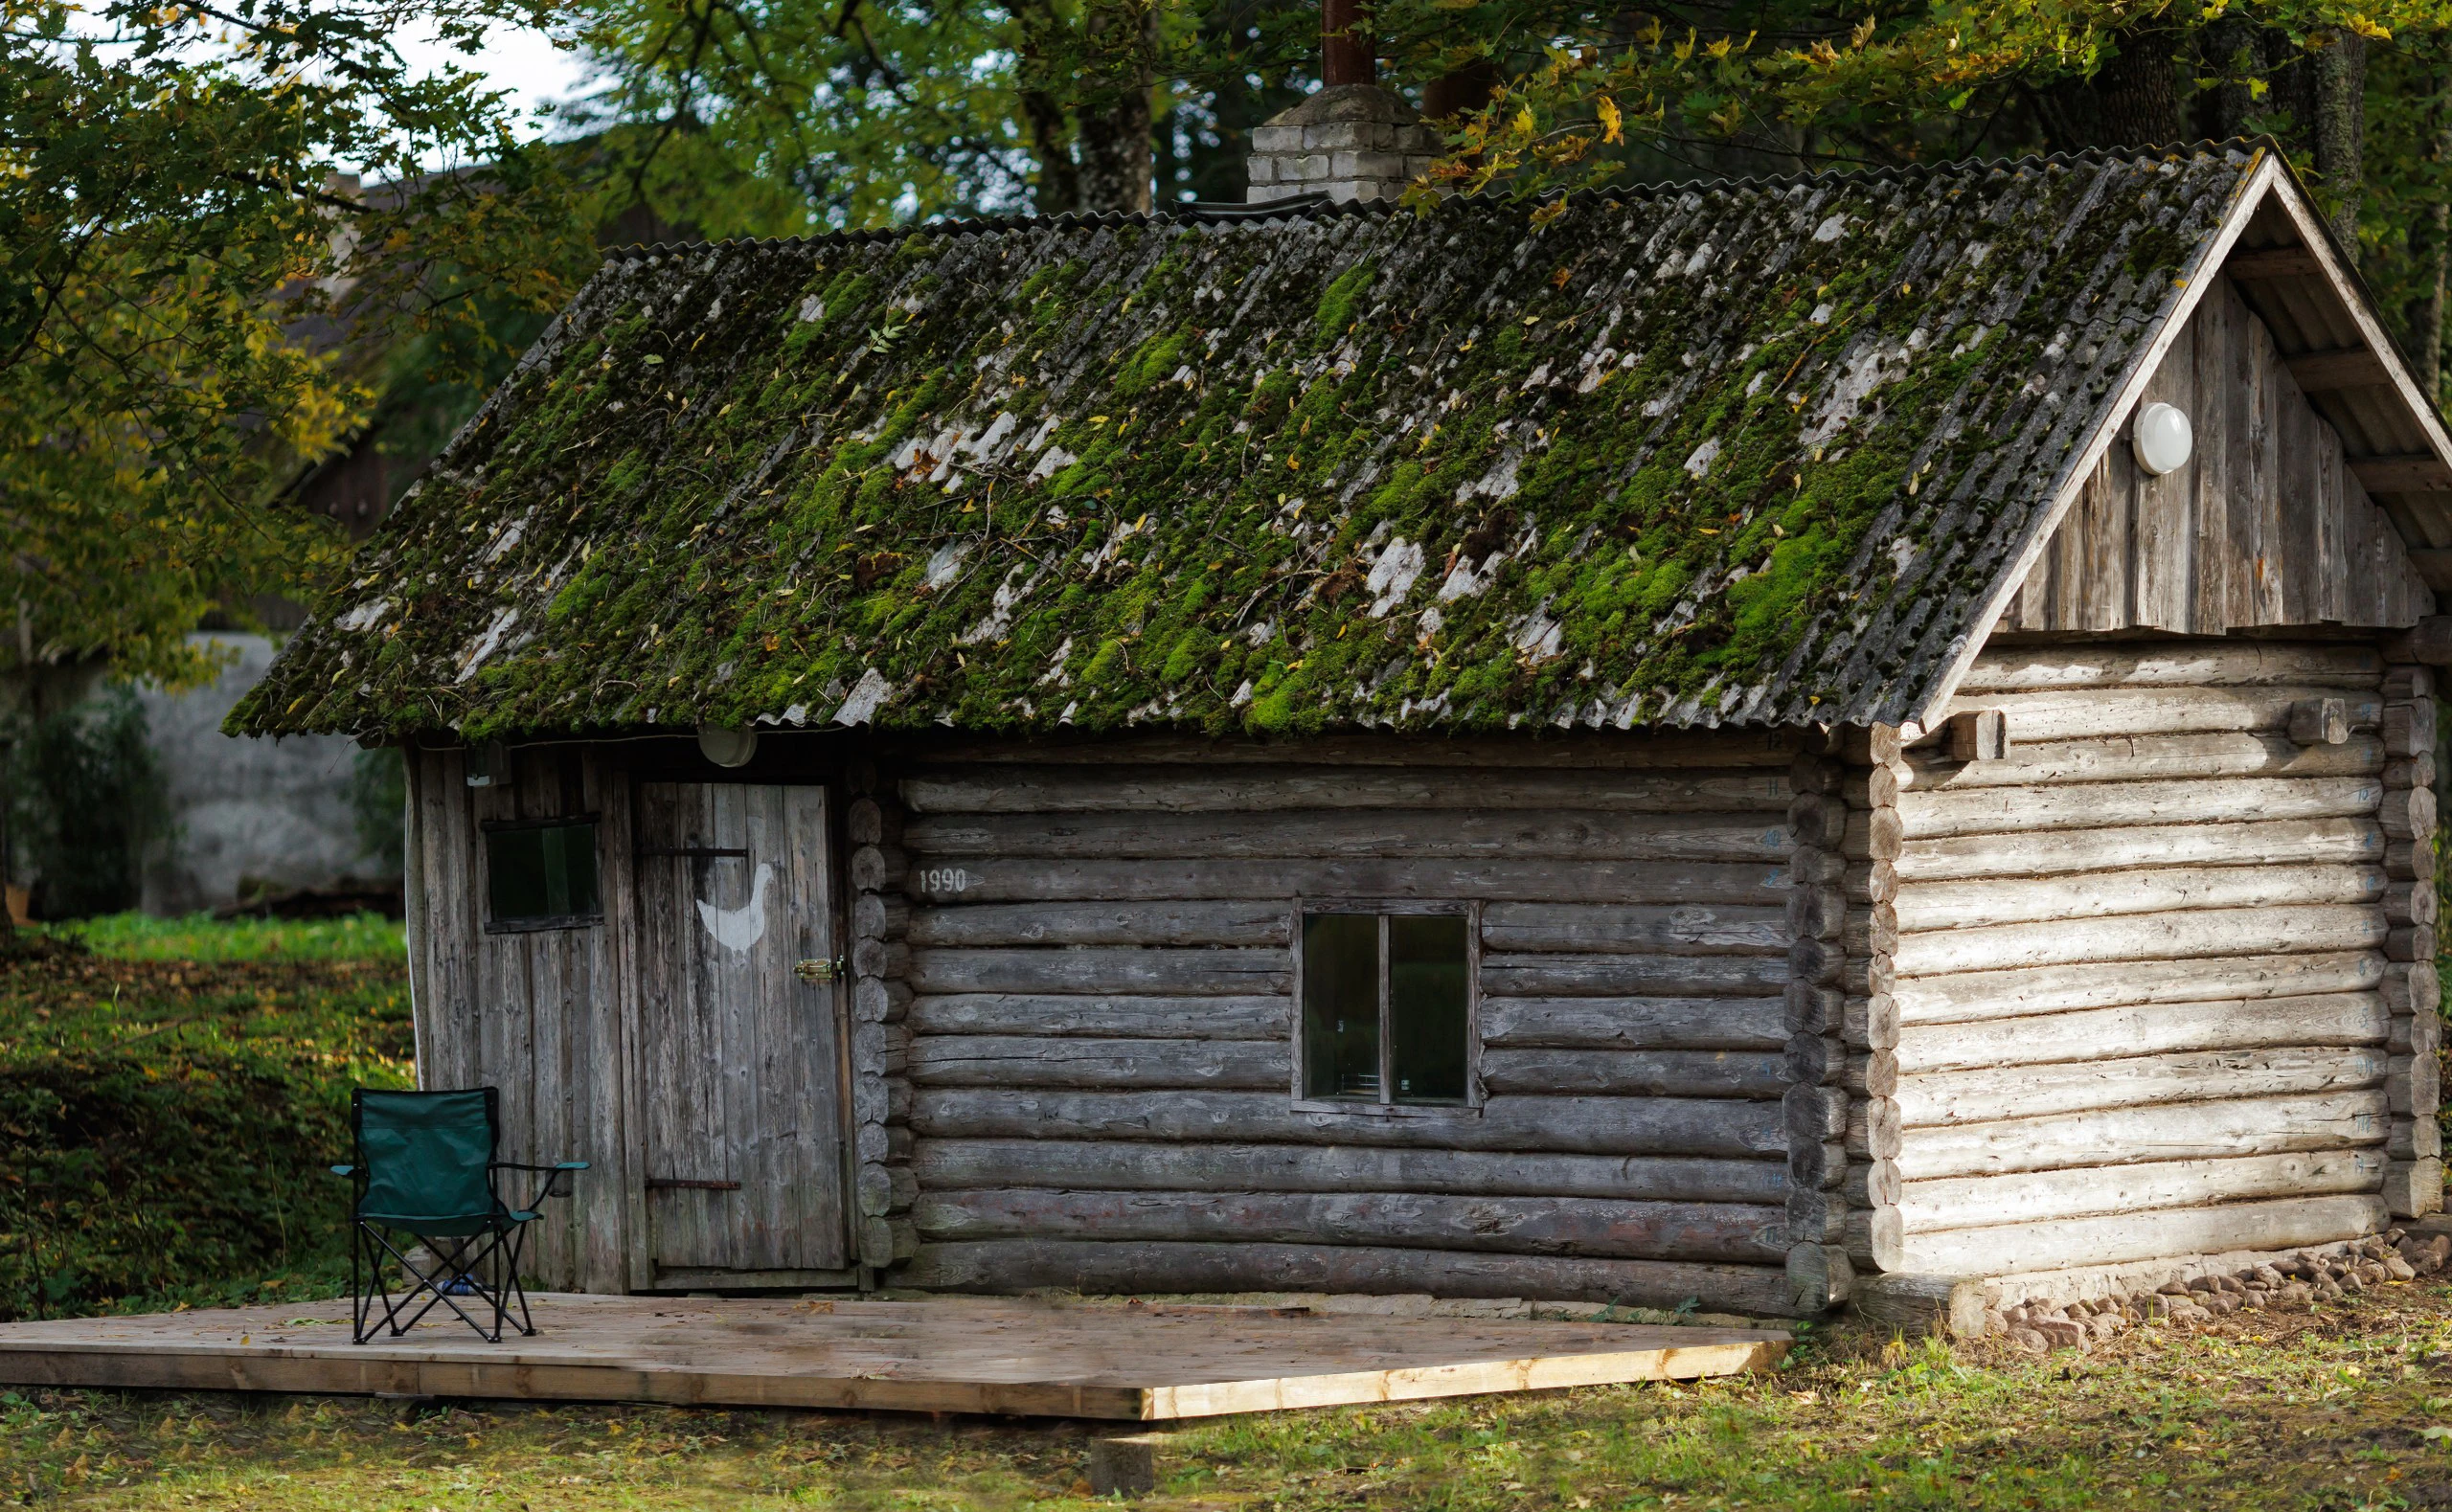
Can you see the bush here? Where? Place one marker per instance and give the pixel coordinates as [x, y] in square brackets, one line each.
[86, 798]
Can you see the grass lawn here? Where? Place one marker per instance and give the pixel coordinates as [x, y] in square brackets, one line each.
[215, 1058]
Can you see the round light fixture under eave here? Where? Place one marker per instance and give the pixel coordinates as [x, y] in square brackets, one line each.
[2162, 438]
[727, 747]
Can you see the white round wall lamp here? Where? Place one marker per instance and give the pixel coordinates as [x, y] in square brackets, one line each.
[727, 747]
[2162, 438]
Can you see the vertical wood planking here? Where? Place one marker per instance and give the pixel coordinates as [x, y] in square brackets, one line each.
[811, 1016]
[2162, 551]
[2215, 348]
[2256, 544]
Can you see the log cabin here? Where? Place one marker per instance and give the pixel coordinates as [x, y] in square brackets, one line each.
[1724, 744]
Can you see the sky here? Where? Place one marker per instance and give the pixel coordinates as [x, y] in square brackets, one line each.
[524, 61]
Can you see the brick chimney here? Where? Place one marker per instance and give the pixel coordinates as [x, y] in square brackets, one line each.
[1348, 141]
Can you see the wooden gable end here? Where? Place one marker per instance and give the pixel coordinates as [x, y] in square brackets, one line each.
[2267, 525]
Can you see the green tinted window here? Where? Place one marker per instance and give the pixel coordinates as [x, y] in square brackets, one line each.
[1387, 1006]
[541, 876]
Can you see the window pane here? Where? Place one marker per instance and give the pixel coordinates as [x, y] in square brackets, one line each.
[1427, 995]
[1341, 1005]
[545, 872]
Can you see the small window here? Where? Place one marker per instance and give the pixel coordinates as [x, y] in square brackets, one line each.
[542, 876]
[1387, 1007]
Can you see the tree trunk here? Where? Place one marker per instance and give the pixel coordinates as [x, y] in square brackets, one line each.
[2229, 53]
[1059, 190]
[1113, 122]
[2136, 96]
[2430, 242]
[2341, 132]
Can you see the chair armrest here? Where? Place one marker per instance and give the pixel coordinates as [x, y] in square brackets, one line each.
[344, 1170]
[522, 1165]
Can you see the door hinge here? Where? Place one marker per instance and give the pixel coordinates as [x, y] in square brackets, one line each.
[818, 973]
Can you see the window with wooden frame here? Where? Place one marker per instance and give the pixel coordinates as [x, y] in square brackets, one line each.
[1387, 999]
[541, 875]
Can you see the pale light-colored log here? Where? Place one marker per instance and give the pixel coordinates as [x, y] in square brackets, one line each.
[1576, 1226]
[2094, 714]
[1143, 1165]
[2143, 938]
[2235, 1023]
[2166, 1132]
[2036, 1196]
[1921, 1304]
[2011, 900]
[1987, 1095]
[1819, 1277]
[1977, 995]
[2196, 664]
[2221, 753]
[2011, 1248]
[2294, 842]
[2102, 805]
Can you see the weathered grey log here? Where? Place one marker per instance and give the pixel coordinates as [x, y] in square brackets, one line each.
[2413, 1085]
[2407, 813]
[1696, 929]
[2005, 900]
[1819, 1277]
[1141, 1165]
[1872, 929]
[1180, 790]
[2228, 753]
[1633, 1073]
[2102, 805]
[1814, 1060]
[1816, 914]
[1872, 786]
[2298, 841]
[878, 917]
[1816, 962]
[1871, 1022]
[1872, 1184]
[1245, 922]
[2320, 721]
[1021, 1265]
[2010, 1248]
[867, 823]
[2410, 679]
[2143, 938]
[1587, 975]
[1817, 1166]
[877, 869]
[1001, 1060]
[1431, 834]
[1809, 868]
[1977, 735]
[2092, 714]
[1918, 1304]
[1871, 1238]
[877, 958]
[2413, 1188]
[2410, 858]
[1732, 1024]
[2410, 942]
[2411, 770]
[1815, 1010]
[2428, 642]
[1765, 881]
[1969, 1201]
[2412, 987]
[2194, 663]
[2173, 1131]
[1098, 970]
[876, 1002]
[1817, 820]
[2237, 1024]
[2412, 902]
[2413, 1139]
[1815, 1114]
[1862, 744]
[1682, 1126]
[2417, 1034]
[1979, 995]
[1816, 1217]
[1560, 1226]
[1809, 773]
[2409, 727]
[1986, 1095]
[1217, 1018]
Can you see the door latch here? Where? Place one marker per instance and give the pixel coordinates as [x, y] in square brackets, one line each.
[817, 973]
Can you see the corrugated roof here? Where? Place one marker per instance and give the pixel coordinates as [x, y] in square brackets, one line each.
[1746, 453]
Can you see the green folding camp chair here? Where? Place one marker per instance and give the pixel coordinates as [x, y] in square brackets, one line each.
[425, 1170]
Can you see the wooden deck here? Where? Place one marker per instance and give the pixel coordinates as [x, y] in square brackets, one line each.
[944, 1354]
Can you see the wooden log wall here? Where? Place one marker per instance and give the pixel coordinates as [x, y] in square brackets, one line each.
[2266, 525]
[1100, 1026]
[2151, 984]
[537, 1013]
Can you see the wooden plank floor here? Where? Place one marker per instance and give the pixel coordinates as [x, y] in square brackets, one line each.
[942, 1354]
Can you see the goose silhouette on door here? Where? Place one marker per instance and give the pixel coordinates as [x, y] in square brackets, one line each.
[742, 1113]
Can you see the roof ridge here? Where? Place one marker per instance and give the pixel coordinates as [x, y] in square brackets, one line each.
[1317, 207]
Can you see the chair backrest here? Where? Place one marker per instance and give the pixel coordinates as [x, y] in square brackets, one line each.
[428, 1158]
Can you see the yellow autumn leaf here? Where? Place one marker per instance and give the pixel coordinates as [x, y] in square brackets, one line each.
[1612, 124]
[1525, 125]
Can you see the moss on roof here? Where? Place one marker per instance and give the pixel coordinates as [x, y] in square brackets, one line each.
[1751, 453]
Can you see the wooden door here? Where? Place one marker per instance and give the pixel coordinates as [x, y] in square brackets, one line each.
[743, 1108]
